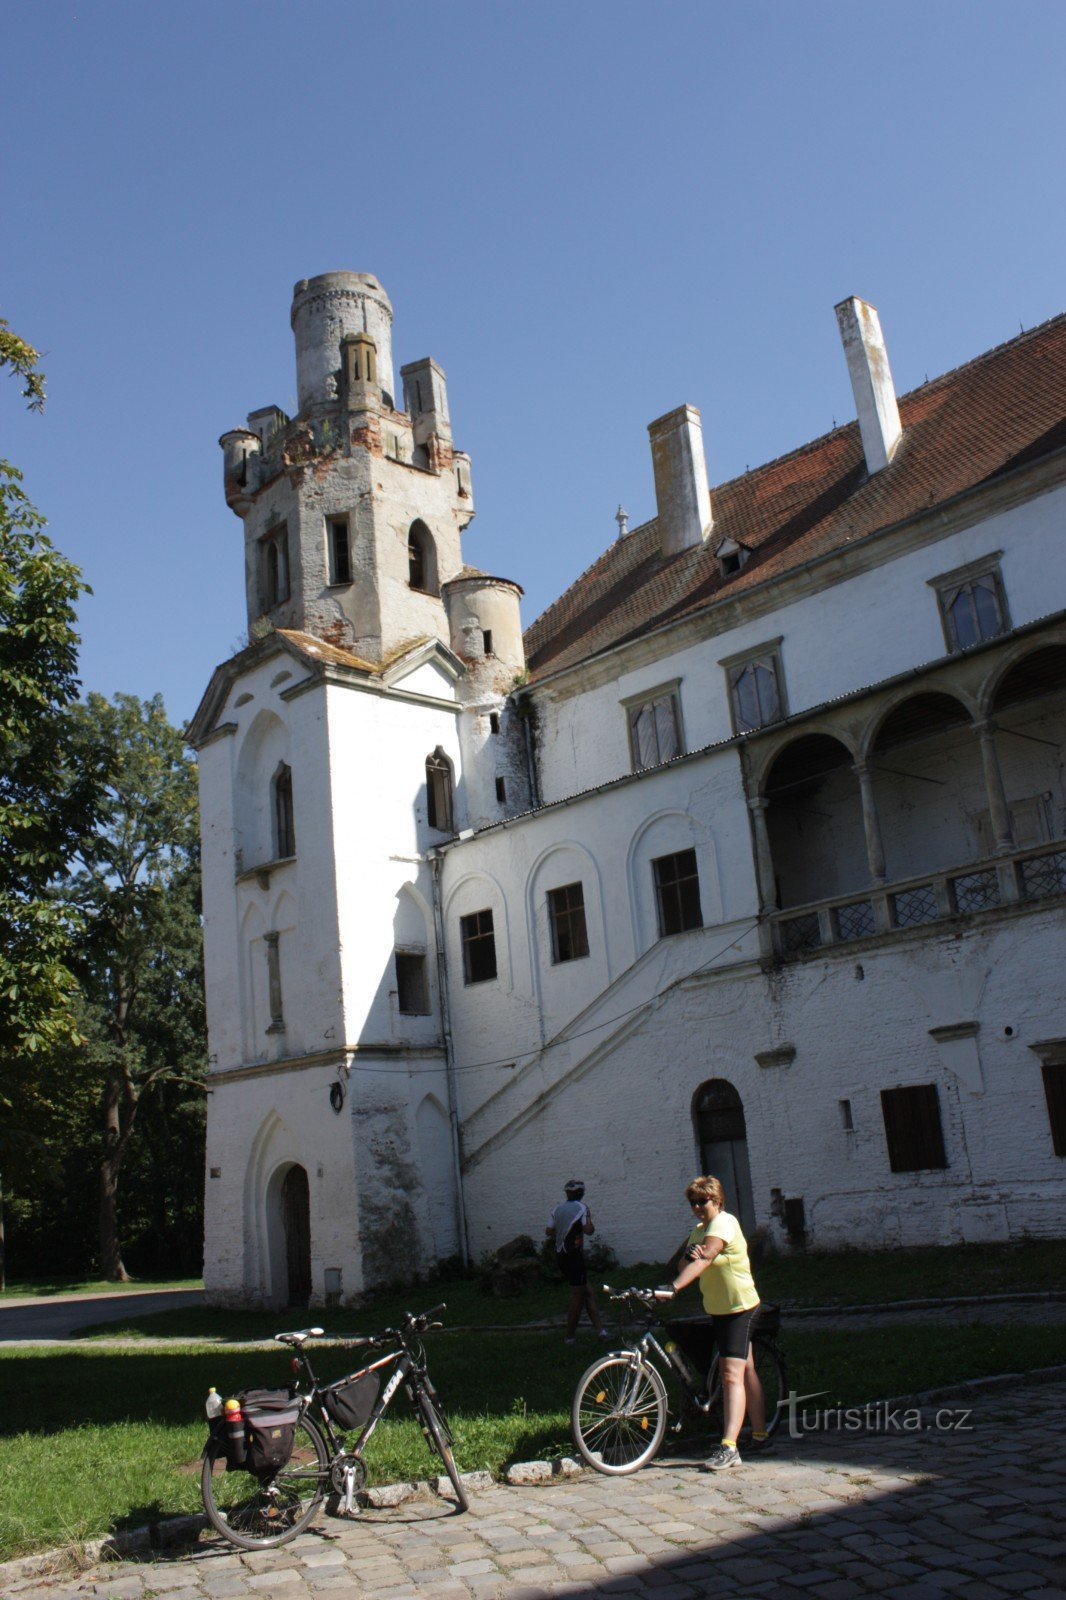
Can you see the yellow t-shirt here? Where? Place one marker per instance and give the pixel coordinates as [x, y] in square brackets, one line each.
[726, 1282]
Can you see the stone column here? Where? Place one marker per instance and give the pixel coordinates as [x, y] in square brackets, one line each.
[997, 799]
[764, 861]
[277, 1017]
[875, 850]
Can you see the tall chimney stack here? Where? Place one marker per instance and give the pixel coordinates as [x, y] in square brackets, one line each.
[871, 381]
[682, 497]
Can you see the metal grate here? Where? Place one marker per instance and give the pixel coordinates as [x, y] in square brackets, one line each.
[975, 891]
[1044, 874]
[801, 933]
[915, 906]
[854, 921]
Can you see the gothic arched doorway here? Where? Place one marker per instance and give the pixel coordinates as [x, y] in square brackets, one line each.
[296, 1224]
[722, 1142]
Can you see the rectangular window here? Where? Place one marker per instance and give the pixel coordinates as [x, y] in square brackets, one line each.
[486, 640]
[479, 947]
[677, 893]
[973, 606]
[1055, 1095]
[847, 1120]
[412, 990]
[566, 918]
[912, 1128]
[494, 722]
[340, 556]
[654, 729]
[501, 790]
[756, 687]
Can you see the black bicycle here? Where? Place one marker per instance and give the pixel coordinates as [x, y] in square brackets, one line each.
[620, 1409]
[267, 1468]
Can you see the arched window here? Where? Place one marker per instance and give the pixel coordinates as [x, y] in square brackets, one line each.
[439, 792]
[421, 559]
[284, 822]
[274, 549]
[722, 1141]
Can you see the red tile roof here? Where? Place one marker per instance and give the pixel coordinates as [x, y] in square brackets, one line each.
[998, 412]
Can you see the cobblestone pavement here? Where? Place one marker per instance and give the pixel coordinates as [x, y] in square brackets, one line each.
[971, 1510]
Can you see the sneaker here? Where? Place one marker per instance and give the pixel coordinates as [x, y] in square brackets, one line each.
[724, 1457]
[756, 1447]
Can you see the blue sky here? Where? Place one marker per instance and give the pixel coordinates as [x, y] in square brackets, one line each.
[589, 213]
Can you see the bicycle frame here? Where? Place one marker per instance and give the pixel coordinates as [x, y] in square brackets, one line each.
[406, 1366]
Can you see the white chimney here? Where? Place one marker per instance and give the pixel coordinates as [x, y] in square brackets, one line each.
[871, 381]
[682, 497]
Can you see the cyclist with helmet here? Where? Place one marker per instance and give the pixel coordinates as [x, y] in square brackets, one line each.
[568, 1224]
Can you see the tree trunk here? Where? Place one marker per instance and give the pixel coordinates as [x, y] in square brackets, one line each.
[111, 1265]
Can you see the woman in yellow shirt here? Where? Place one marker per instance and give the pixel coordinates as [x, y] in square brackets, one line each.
[717, 1254]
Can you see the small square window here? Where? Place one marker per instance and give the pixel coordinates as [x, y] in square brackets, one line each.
[912, 1128]
[756, 687]
[340, 556]
[973, 606]
[479, 947]
[677, 893]
[412, 989]
[566, 919]
[654, 729]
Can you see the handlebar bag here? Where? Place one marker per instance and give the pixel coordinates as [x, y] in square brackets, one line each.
[350, 1401]
[270, 1418]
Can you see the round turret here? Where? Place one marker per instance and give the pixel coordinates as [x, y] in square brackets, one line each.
[485, 623]
[324, 311]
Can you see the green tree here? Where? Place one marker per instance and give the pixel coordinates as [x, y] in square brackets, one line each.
[136, 890]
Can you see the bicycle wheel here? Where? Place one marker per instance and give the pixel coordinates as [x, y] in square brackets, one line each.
[435, 1426]
[255, 1515]
[770, 1365]
[618, 1415]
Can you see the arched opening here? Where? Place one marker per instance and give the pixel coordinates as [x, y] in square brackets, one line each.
[439, 792]
[1029, 710]
[284, 819]
[928, 784]
[722, 1144]
[421, 559]
[296, 1228]
[814, 822]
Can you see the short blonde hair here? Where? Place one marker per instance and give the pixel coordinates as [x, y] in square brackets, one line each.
[705, 1189]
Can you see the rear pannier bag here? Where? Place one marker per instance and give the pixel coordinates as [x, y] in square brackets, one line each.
[270, 1418]
[350, 1402]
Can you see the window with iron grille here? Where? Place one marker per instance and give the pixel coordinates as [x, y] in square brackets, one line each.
[566, 918]
[912, 1128]
[677, 893]
[479, 947]
[655, 729]
[1055, 1095]
[972, 603]
[412, 989]
[756, 687]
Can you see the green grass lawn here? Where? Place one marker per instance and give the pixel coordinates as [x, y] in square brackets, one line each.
[97, 1439]
[850, 1277]
[23, 1288]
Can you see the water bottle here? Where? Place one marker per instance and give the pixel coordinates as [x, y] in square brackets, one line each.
[236, 1443]
[213, 1405]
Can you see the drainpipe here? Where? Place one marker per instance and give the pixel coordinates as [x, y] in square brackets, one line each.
[435, 859]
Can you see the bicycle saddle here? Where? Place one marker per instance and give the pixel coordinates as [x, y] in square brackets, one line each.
[299, 1337]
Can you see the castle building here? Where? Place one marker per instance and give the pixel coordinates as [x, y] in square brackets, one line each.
[748, 857]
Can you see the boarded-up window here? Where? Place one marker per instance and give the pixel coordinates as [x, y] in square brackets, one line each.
[1055, 1094]
[412, 990]
[912, 1128]
[479, 947]
[654, 731]
[677, 892]
[566, 918]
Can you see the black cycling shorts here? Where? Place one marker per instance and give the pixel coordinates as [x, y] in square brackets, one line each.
[732, 1333]
[572, 1267]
